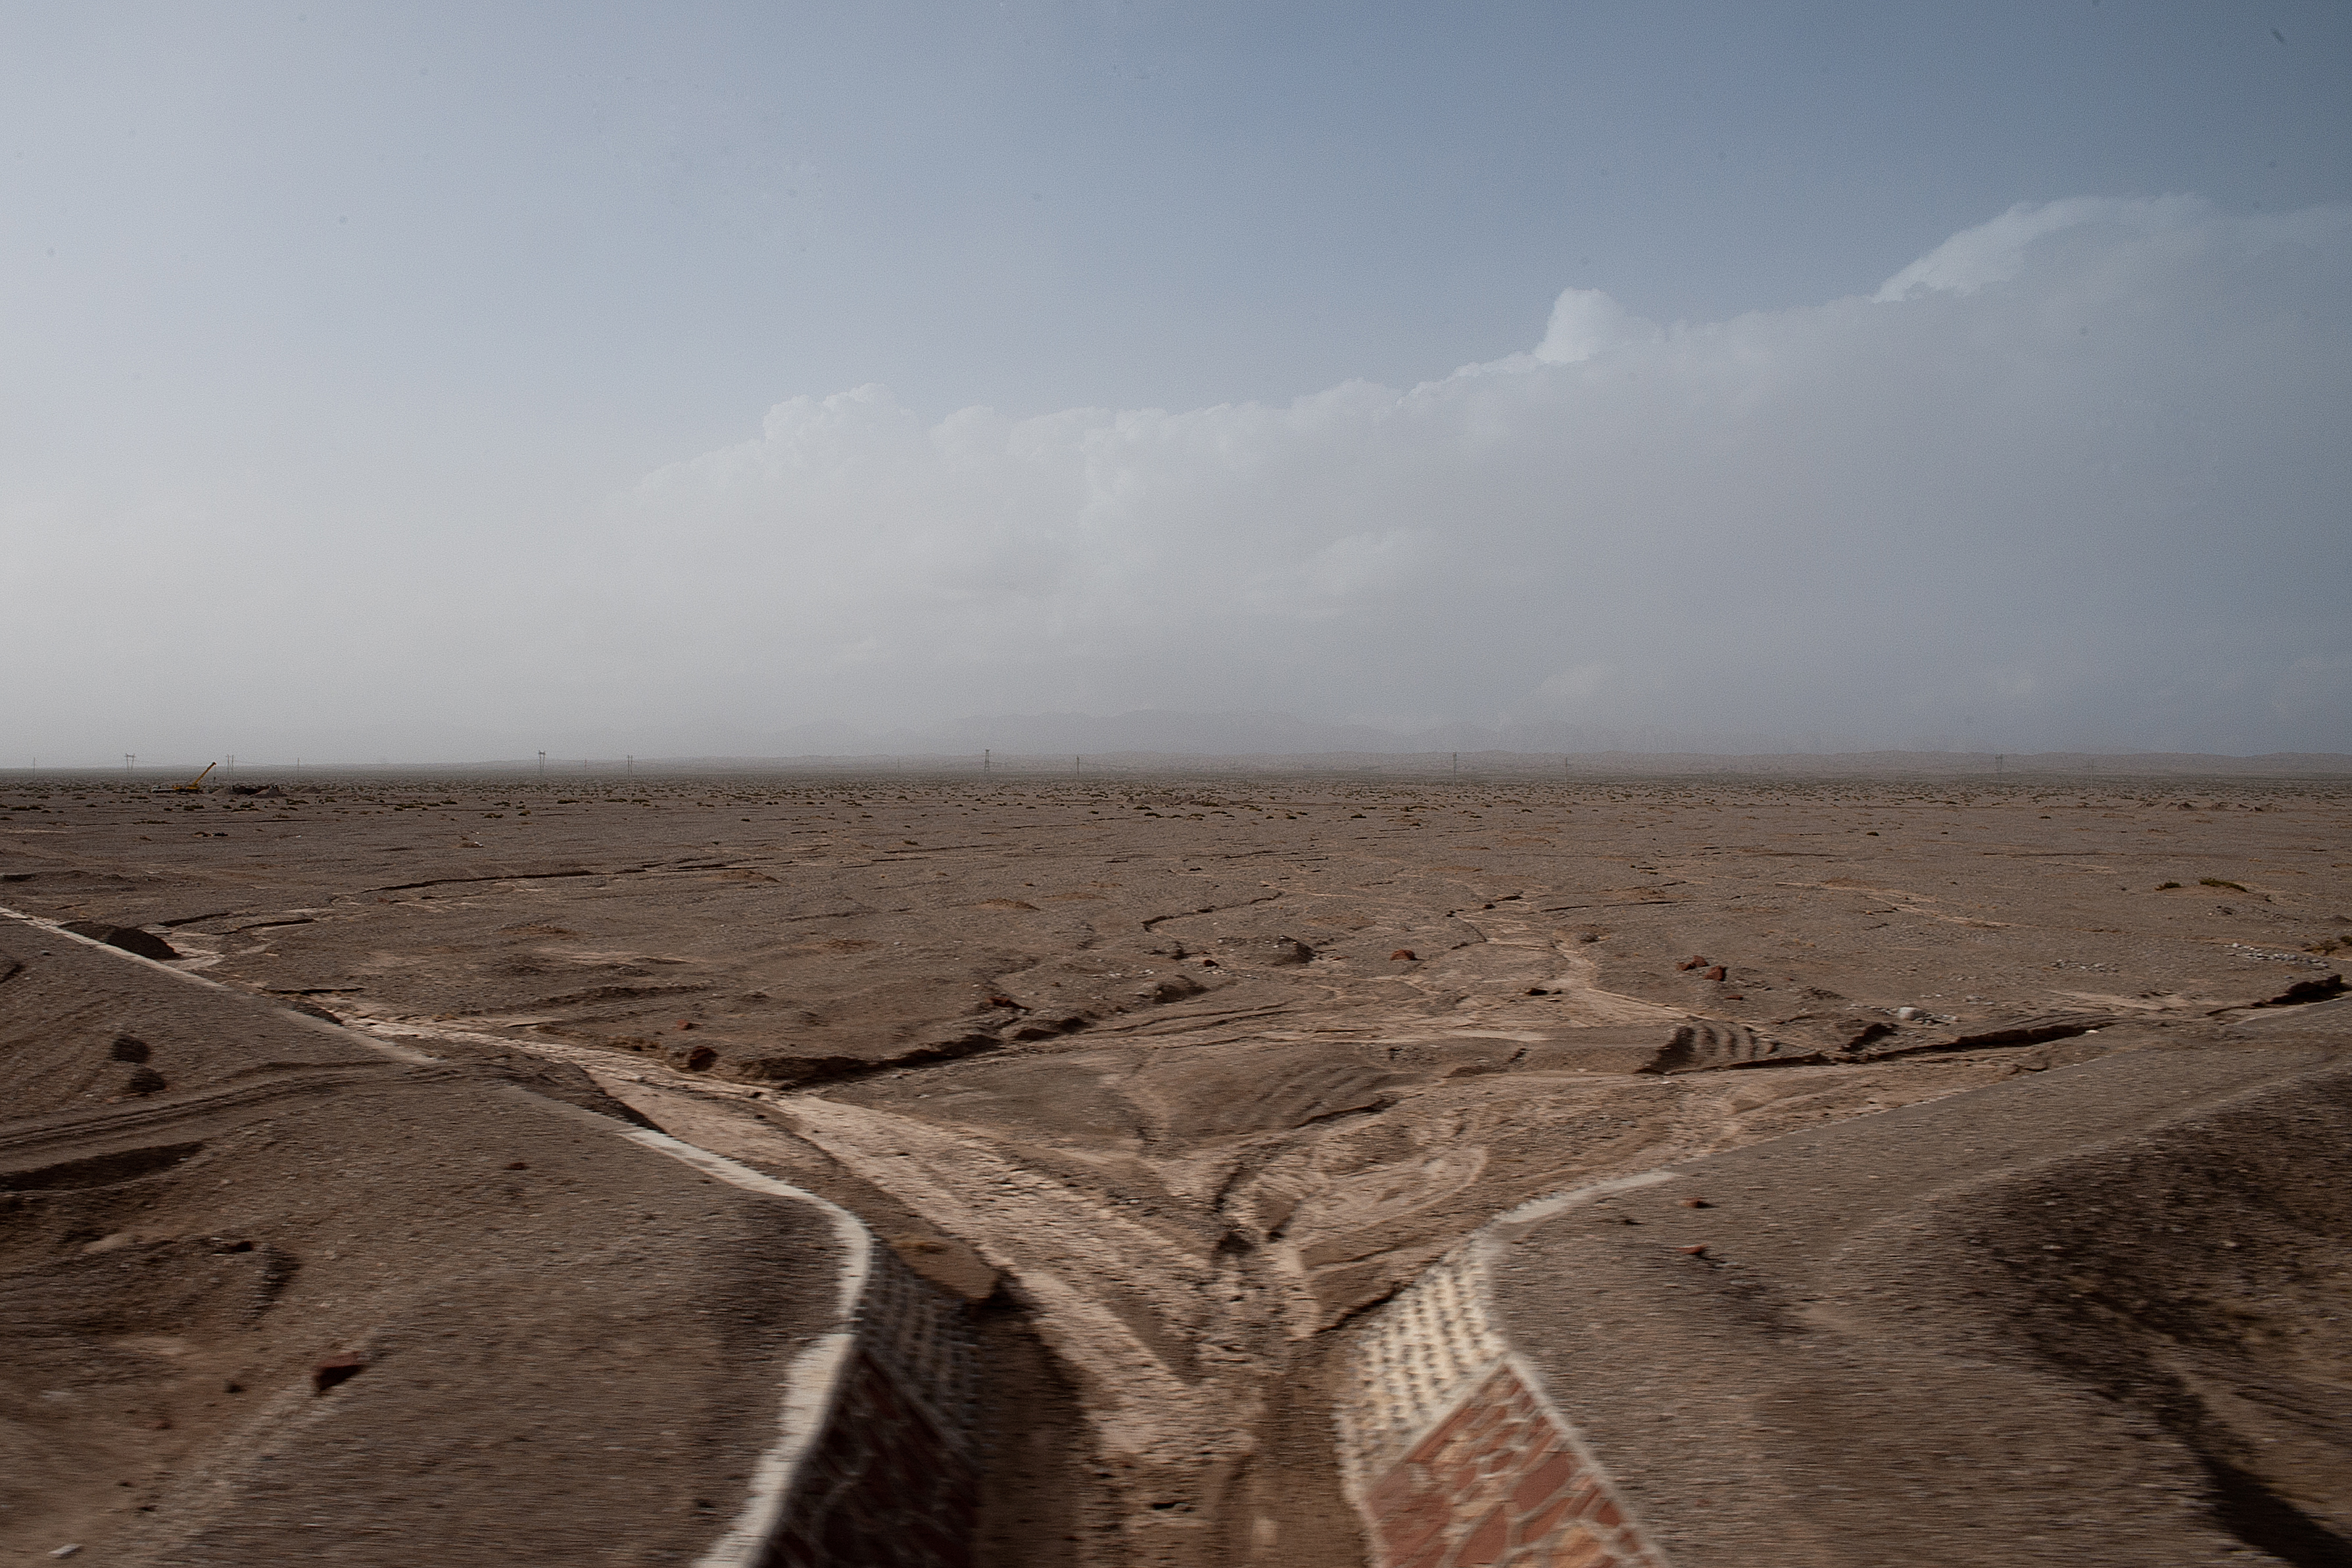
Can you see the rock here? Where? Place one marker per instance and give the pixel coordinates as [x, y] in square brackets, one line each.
[1403, 956]
[336, 1371]
[1908, 1014]
[2303, 992]
[1714, 974]
[128, 1048]
[142, 1080]
[1693, 962]
[1707, 1043]
[1275, 952]
[129, 938]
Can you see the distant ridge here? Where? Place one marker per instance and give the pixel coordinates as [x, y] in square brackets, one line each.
[2071, 769]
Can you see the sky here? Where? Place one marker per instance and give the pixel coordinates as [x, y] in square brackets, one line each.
[442, 382]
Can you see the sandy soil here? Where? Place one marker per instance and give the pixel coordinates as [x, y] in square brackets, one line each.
[1177, 1078]
[290, 1298]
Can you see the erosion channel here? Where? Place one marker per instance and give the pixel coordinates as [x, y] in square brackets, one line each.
[1176, 1081]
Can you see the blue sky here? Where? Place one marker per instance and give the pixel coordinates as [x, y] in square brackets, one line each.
[377, 326]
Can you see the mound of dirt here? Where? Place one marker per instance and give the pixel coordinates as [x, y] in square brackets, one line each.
[2093, 1316]
[308, 1301]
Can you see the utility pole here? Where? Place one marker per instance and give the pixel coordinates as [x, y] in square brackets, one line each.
[1457, 765]
[1997, 763]
[983, 759]
[1077, 765]
[633, 766]
[232, 763]
[542, 767]
[129, 761]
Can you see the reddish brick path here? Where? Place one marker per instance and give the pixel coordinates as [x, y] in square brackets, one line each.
[1497, 1482]
[885, 1487]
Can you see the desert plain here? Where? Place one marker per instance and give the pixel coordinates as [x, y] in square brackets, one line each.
[1173, 1079]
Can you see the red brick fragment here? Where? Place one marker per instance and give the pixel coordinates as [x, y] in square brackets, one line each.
[1578, 1549]
[1542, 1482]
[1536, 1526]
[1485, 1544]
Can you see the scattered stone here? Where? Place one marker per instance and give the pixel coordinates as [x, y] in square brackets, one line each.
[1403, 956]
[1713, 974]
[1698, 1252]
[142, 1080]
[1696, 1203]
[1694, 962]
[1173, 988]
[517, 1165]
[1275, 952]
[128, 1048]
[1909, 1015]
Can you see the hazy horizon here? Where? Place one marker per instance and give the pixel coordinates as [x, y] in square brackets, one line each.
[444, 384]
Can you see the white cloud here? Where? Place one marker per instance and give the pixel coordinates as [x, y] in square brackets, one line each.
[2077, 476]
[2065, 458]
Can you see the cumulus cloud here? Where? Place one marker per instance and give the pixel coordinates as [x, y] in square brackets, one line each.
[2075, 478]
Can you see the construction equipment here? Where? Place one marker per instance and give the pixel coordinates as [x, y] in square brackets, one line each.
[193, 787]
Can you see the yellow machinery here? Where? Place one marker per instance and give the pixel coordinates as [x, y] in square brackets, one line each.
[193, 787]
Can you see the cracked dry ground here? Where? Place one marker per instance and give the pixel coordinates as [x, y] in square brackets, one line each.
[1171, 1078]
